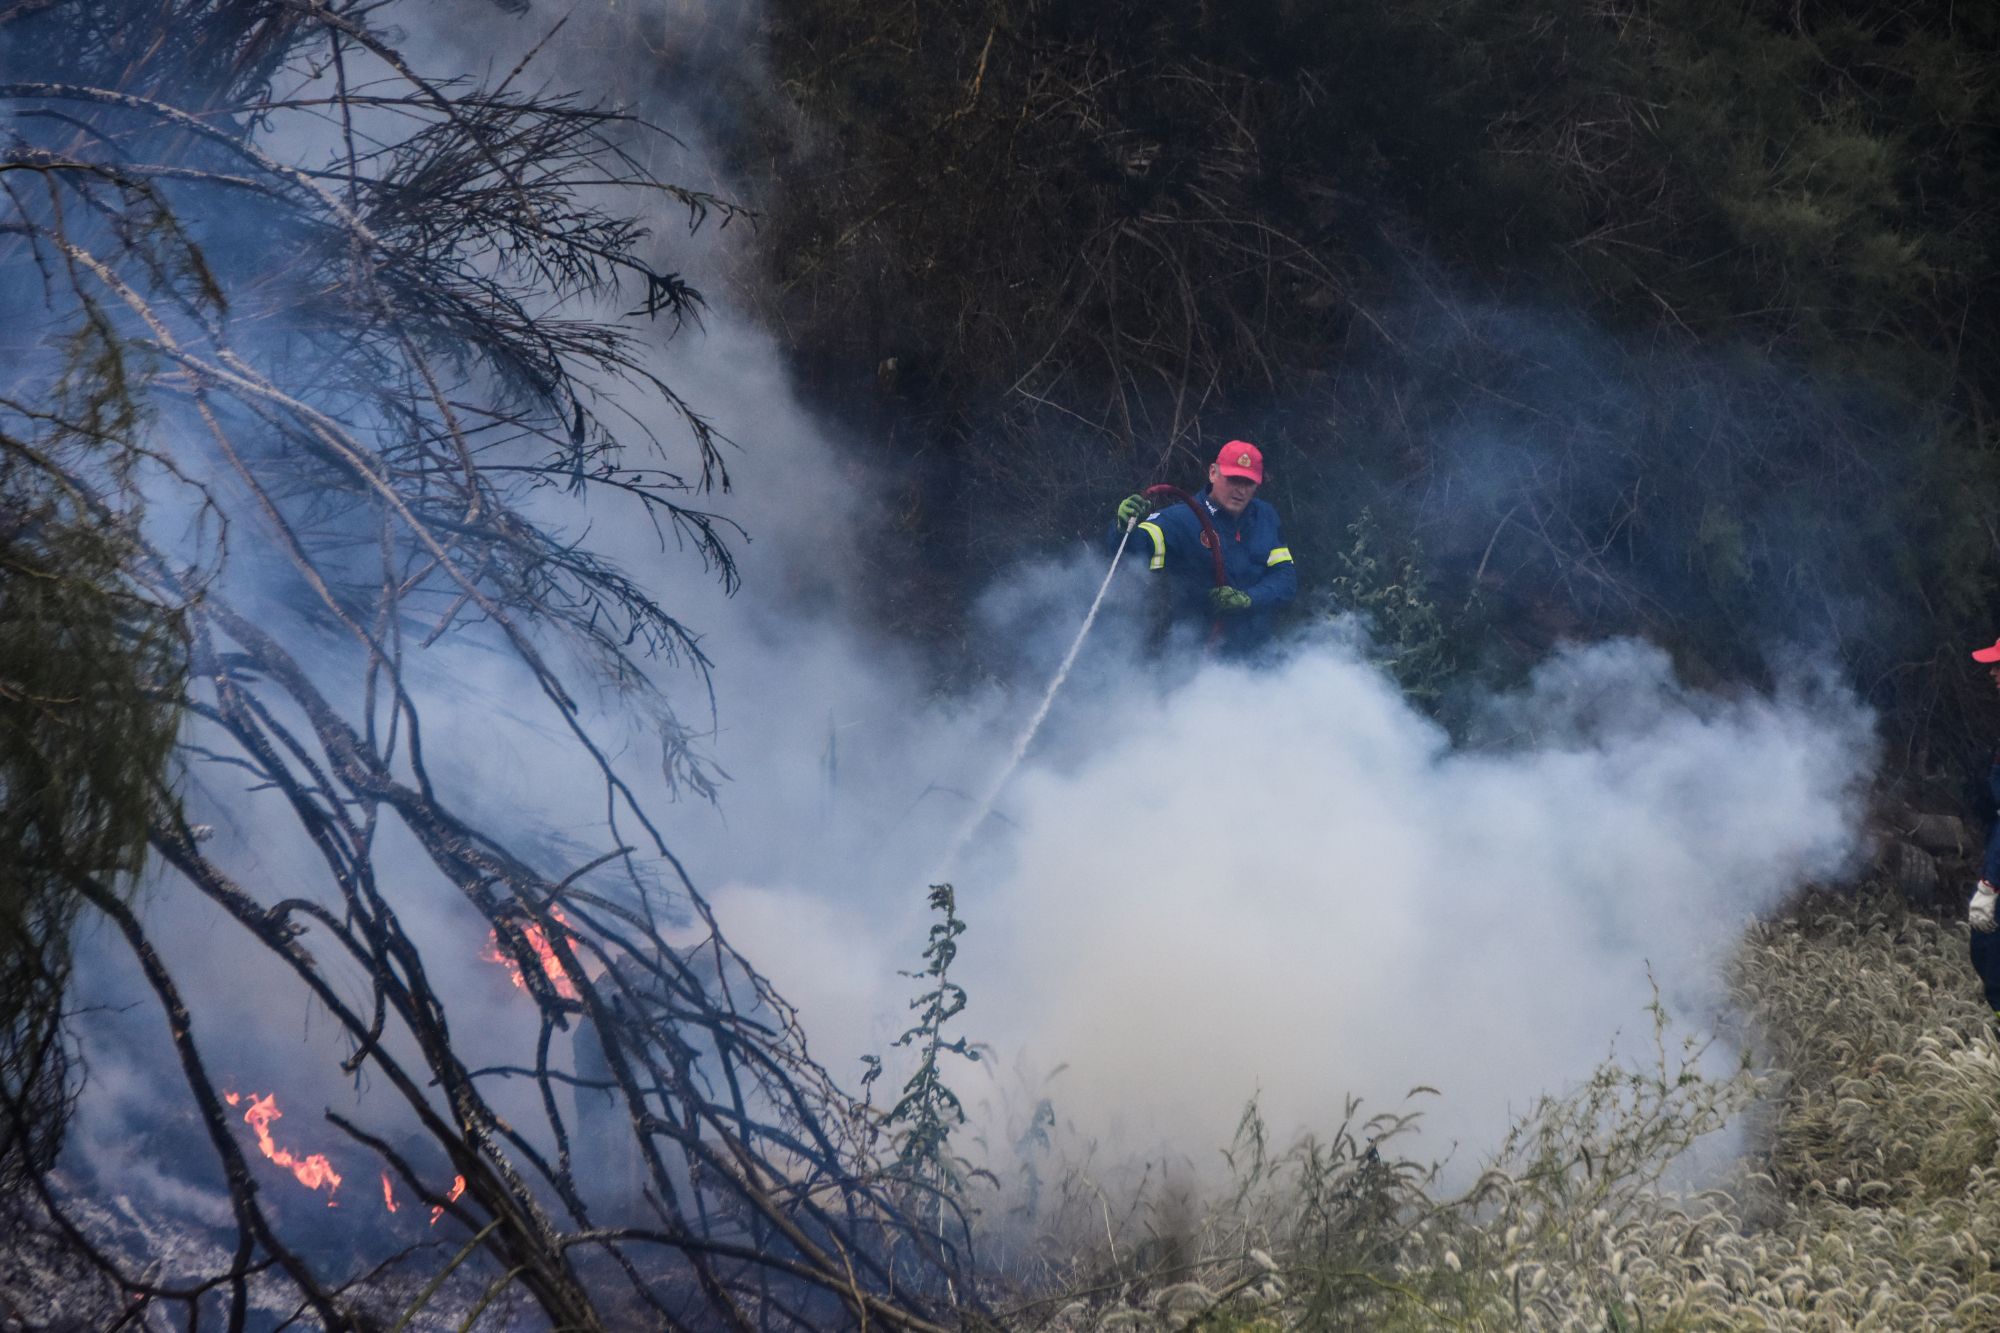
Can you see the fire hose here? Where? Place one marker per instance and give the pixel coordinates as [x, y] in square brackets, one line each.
[1208, 539]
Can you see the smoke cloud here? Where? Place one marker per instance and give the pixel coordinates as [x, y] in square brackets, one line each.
[1284, 882]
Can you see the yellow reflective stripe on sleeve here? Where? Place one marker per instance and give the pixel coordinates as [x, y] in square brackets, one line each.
[1280, 555]
[1159, 560]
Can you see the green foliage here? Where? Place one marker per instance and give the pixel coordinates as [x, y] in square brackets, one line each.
[1414, 641]
[89, 682]
[91, 677]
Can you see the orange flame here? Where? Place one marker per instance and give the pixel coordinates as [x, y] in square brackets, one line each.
[457, 1188]
[315, 1171]
[552, 966]
[312, 1171]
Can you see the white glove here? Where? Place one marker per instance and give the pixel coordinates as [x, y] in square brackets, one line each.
[1979, 913]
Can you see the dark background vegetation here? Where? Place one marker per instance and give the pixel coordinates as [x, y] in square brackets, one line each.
[1614, 316]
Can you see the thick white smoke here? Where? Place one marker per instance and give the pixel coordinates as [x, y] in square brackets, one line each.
[1288, 882]
[1284, 882]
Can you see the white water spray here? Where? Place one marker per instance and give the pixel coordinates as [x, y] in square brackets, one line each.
[985, 806]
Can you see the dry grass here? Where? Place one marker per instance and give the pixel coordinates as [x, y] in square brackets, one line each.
[1868, 1196]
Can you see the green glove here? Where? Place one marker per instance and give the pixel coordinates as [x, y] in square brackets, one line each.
[1131, 507]
[1229, 600]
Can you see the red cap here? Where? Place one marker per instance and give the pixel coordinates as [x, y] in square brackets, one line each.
[1240, 458]
[1987, 654]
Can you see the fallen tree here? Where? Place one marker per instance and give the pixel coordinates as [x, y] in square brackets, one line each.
[311, 314]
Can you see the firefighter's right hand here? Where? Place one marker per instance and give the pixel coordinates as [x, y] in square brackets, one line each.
[1132, 507]
[1979, 913]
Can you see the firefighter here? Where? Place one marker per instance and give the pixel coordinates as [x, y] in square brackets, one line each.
[1257, 565]
[1980, 912]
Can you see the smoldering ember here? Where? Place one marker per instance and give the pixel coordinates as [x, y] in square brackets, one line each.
[775, 664]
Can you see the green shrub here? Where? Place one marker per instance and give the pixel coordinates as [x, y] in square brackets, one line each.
[1414, 639]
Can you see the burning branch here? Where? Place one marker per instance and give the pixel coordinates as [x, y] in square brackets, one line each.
[545, 958]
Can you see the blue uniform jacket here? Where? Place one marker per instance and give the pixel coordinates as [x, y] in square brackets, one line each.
[1989, 869]
[1986, 947]
[1255, 560]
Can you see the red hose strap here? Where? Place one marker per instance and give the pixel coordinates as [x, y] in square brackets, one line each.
[1210, 538]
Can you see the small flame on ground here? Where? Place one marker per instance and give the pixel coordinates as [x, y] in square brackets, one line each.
[312, 1171]
[457, 1188]
[388, 1193]
[552, 966]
